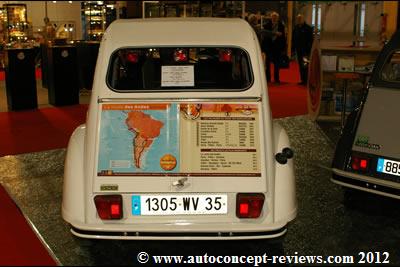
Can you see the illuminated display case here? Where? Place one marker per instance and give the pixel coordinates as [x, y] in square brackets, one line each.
[64, 29]
[227, 9]
[94, 20]
[16, 22]
[3, 35]
[97, 15]
[3, 25]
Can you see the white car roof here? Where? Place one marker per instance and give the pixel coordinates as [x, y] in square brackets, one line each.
[180, 31]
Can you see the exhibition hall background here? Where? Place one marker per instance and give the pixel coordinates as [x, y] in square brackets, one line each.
[58, 90]
[82, 14]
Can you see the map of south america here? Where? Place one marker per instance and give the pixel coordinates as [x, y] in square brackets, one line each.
[139, 139]
[145, 130]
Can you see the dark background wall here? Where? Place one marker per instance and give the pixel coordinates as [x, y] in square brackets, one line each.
[133, 9]
[267, 6]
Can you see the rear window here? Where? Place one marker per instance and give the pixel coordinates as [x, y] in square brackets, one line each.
[391, 69]
[180, 68]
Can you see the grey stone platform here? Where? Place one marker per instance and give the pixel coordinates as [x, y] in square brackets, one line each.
[330, 221]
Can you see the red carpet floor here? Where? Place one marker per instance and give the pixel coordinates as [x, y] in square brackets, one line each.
[38, 130]
[19, 245]
[288, 98]
[50, 128]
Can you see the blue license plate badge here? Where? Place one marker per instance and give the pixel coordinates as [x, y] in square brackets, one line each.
[136, 205]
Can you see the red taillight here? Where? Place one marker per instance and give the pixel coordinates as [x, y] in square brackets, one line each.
[249, 205]
[180, 55]
[109, 207]
[132, 57]
[363, 164]
[244, 208]
[115, 210]
[359, 163]
[225, 55]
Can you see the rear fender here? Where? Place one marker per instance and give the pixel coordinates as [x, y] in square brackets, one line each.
[285, 185]
[345, 142]
[73, 187]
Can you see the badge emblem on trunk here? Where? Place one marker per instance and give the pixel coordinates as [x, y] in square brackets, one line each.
[181, 182]
[109, 187]
[363, 141]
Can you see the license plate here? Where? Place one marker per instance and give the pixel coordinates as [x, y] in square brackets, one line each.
[179, 204]
[388, 166]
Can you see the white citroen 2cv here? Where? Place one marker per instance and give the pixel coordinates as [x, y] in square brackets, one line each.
[179, 142]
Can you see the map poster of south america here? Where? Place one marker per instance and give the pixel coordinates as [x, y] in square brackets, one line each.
[137, 139]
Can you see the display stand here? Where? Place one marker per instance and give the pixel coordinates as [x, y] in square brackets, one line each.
[87, 52]
[62, 75]
[44, 64]
[329, 101]
[20, 78]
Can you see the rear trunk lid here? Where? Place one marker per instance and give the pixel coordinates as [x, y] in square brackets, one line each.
[178, 146]
[378, 132]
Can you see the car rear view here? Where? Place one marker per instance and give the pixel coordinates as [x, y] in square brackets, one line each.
[179, 141]
[368, 155]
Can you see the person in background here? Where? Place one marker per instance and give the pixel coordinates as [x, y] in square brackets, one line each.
[264, 19]
[257, 27]
[274, 45]
[258, 15]
[253, 21]
[302, 40]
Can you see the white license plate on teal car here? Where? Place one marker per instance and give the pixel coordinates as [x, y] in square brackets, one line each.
[388, 166]
[179, 204]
